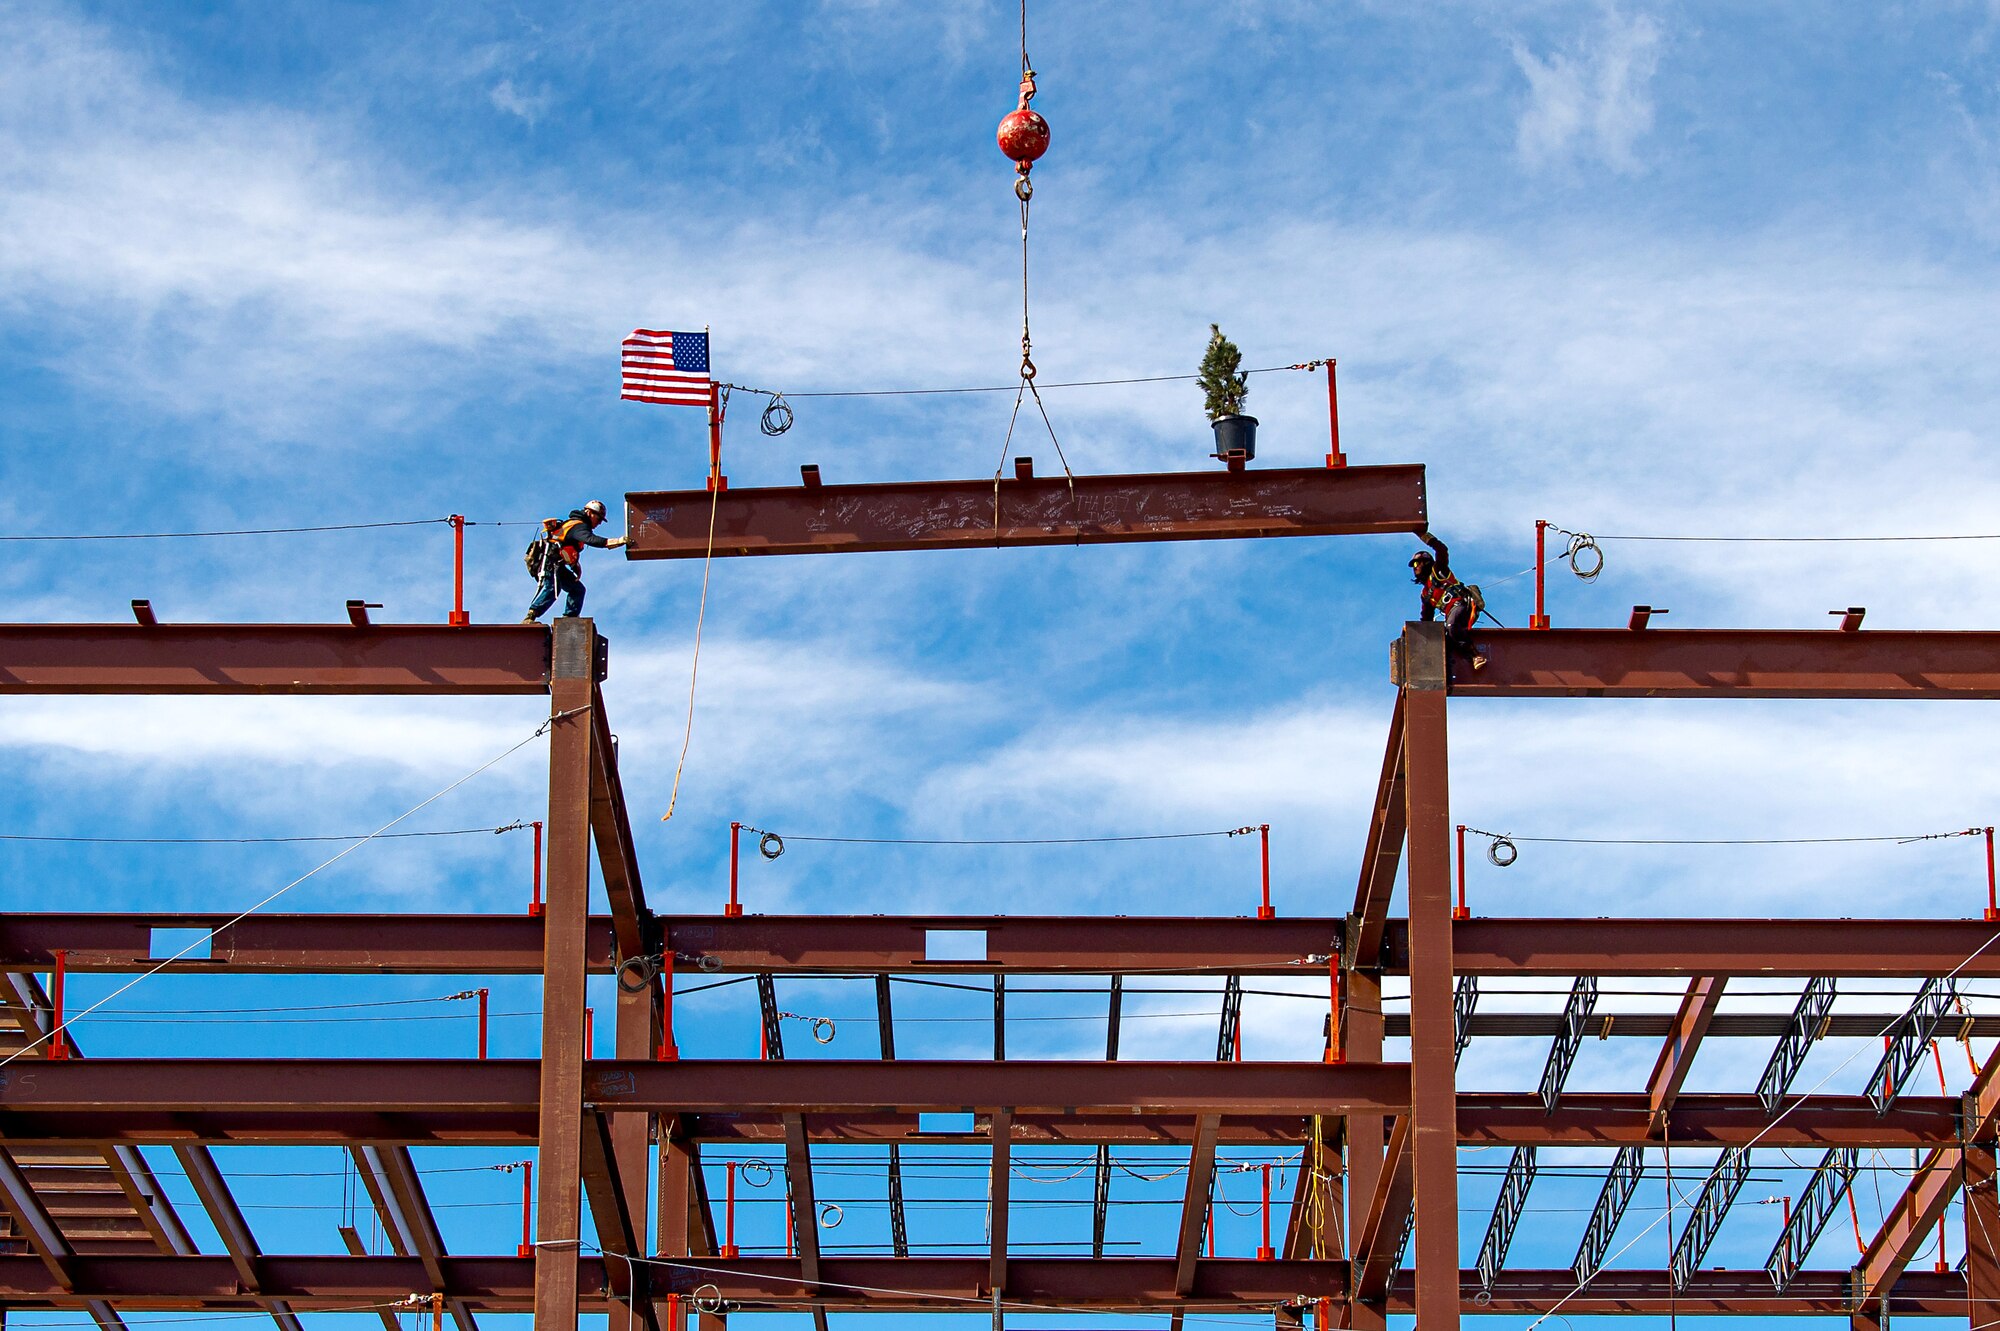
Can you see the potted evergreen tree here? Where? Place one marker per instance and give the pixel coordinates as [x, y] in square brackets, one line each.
[1224, 387]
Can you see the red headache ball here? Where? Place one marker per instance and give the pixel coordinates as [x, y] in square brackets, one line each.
[1024, 135]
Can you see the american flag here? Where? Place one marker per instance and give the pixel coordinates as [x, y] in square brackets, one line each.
[668, 368]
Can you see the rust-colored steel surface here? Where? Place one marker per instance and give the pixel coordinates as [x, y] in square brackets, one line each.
[1040, 510]
[1731, 663]
[273, 658]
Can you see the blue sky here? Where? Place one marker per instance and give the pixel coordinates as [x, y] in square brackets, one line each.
[1637, 268]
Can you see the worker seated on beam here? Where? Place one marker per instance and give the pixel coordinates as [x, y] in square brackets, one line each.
[555, 558]
[1442, 593]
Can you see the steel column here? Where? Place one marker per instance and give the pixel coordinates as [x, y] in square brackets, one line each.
[1433, 1052]
[558, 1179]
[1982, 1236]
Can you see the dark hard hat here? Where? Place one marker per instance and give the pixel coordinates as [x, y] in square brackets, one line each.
[1423, 557]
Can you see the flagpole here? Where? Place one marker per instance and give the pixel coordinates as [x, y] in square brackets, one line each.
[716, 480]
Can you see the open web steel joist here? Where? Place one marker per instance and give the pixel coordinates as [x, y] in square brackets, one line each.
[628, 1217]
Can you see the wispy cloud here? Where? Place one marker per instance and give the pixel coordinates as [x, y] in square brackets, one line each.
[529, 106]
[1591, 101]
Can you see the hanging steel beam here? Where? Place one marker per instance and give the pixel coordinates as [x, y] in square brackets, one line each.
[1033, 510]
[1822, 1193]
[273, 658]
[1730, 663]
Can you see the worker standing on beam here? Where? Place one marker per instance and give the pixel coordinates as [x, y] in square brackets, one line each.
[556, 559]
[1443, 594]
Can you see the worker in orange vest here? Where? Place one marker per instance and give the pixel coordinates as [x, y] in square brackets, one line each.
[556, 559]
[1442, 593]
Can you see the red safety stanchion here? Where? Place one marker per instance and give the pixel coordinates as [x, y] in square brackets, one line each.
[527, 1248]
[535, 902]
[482, 1023]
[1265, 1252]
[1336, 458]
[1266, 911]
[1540, 619]
[458, 615]
[1336, 1030]
[58, 1037]
[589, 1032]
[1461, 911]
[1992, 906]
[729, 1218]
[669, 1051]
[735, 907]
[716, 480]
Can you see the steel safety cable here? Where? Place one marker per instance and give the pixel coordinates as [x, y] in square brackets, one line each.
[1861, 1047]
[208, 936]
[250, 840]
[1007, 841]
[241, 531]
[700, 614]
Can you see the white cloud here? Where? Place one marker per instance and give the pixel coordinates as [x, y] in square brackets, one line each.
[529, 106]
[1593, 100]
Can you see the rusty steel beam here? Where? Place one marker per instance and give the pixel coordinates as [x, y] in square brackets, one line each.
[273, 658]
[1617, 1291]
[1000, 1189]
[804, 1205]
[1195, 1201]
[397, 1192]
[1378, 1231]
[613, 1215]
[1045, 510]
[1670, 1069]
[559, 1175]
[1731, 663]
[959, 1284]
[1381, 854]
[611, 828]
[199, 1165]
[847, 944]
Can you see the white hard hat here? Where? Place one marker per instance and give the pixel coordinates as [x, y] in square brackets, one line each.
[595, 506]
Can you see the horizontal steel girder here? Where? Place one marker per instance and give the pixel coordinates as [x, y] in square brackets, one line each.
[273, 658]
[493, 1102]
[800, 944]
[1730, 663]
[1043, 510]
[886, 1284]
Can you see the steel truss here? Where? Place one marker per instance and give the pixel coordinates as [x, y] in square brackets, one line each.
[1388, 1130]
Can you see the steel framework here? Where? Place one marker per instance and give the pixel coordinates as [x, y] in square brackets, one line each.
[1379, 1139]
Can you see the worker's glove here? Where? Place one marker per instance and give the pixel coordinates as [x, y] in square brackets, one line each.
[615, 542]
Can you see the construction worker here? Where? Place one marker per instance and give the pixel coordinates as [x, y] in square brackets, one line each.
[558, 563]
[1443, 594]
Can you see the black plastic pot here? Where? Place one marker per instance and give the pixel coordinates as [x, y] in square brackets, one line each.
[1235, 434]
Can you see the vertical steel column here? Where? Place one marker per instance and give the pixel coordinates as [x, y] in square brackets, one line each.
[560, 1179]
[1433, 1025]
[1982, 1236]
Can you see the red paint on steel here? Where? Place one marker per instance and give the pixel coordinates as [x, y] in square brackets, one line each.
[589, 1031]
[1540, 619]
[1265, 1252]
[1461, 911]
[928, 515]
[58, 1036]
[527, 1248]
[482, 1022]
[535, 901]
[1265, 911]
[669, 1050]
[729, 1250]
[1992, 905]
[458, 615]
[1336, 458]
[1336, 1031]
[735, 907]
[716, 480]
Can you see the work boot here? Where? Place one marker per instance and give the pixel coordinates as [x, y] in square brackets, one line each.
[529, 619]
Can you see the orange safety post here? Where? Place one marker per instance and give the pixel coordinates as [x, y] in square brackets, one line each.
[669, 1051]
[1336, 458]
[734, 908]
[1336, 1030]
[527, 1248]
[1540, 619]
[1266, 911]
[729, 1218]
[1992, 906]
[1265, 1252]
[1208, 1227]
[589, 1032]
[1461, 911]
[58, 1036]
[535, 903]
[458, 615]
[437, 1312]
[482, 1023]
[790, 1237]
